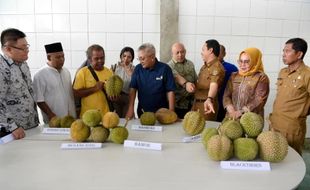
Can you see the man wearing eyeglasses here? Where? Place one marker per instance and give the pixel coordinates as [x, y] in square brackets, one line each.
[17, 105]
[154, 82]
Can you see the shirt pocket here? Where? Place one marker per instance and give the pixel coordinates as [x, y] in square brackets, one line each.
[297, 88]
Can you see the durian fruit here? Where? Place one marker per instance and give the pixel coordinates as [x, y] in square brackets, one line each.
[219, 148]
[148, 118]
[79, 132]
[232, 129]
[245, 149]
[252, 124]
[110, 120]
[92, 117]
[193, 123]
[99, 134]
[166, 116]
[66, 121]
[119, 134]
[54, 122]
[273, 146]
[206, 134]
[114, 85]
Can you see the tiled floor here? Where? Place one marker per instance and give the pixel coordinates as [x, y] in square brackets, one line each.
[305, 184]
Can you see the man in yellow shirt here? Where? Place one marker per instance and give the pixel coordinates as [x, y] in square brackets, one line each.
[87, 87]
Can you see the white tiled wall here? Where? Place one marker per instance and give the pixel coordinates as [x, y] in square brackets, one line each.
[265, 24]
[80, 23]
[237, 24]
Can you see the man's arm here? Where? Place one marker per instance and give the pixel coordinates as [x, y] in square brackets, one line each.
[17, 132]
[189, 87]
[80, 93]
[208, 104]
[171, 100]
[46, 109]
[132, 97]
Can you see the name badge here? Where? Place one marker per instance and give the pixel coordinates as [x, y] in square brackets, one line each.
[56, 131]
[142, 145]
[81, 145]
[6, 139]
[246, 165]
[192, 138]
[146, 128]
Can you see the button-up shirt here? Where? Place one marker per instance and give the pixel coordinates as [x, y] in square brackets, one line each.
[292, 102]
[17, 104]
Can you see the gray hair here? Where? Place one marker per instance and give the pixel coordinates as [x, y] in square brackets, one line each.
[148, 48]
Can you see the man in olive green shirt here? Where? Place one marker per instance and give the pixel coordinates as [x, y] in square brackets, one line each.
[185, 76]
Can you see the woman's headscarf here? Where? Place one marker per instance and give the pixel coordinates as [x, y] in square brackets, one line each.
[256, 63]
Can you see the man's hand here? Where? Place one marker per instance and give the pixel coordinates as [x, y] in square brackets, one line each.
[18, 133]
[208, 106]
[190, 87]
[99, 85]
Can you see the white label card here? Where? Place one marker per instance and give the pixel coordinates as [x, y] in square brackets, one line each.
[56, 131]
[246, 165]
[192, 138]
[143, 145]
[6, 139]
[147, 128]
[81, 145]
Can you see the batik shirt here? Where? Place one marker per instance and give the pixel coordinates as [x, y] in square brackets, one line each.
[186, 69]
[17, 106]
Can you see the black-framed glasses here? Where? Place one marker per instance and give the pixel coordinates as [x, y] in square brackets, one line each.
[19, 48]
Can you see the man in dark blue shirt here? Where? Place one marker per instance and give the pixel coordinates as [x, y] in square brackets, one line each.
[154, 82]
[229, 68]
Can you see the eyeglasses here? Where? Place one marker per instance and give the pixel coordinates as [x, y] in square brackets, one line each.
[21, 49]
[240, 61]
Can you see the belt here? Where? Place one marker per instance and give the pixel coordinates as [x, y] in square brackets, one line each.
[200, 100]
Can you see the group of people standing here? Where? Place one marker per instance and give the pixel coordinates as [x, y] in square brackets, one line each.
[219, 89]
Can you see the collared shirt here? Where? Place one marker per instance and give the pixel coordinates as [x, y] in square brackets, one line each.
[120, 71]
[55, 89]
[16, 94]
[97, 100]
[209, 72]
[247, 91]
[187, 70]
[152, 86]
[293, 98]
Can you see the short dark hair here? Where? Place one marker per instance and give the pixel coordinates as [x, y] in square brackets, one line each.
[11, 35]
[94, 47]
[215, 45]
[127, 49]
[298, 44]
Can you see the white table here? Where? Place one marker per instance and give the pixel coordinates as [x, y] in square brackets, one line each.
[37, 162]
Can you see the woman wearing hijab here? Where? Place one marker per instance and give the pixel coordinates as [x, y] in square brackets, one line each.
[247, 89]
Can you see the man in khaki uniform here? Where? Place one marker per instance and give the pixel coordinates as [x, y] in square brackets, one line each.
[210, 78]
[291, 106]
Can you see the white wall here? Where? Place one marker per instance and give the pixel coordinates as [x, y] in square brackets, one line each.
[80, 23]
[265, 24]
